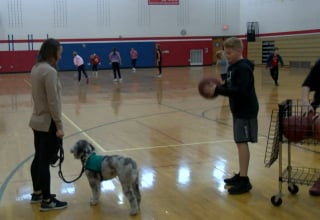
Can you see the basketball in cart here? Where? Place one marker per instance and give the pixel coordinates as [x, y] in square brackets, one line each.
[291, 125]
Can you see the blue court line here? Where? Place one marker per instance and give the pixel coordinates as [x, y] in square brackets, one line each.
[8, 178]
[6, 182]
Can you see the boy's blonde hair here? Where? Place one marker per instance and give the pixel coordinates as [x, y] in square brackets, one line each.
[233, 43]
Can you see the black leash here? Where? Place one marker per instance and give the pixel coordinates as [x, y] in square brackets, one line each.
[61, 159]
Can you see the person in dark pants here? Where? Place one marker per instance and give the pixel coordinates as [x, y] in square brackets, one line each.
[115, 60]
[159, 60]
[95, 61]
[312, 84]
[46, 123]
[273, 61]
[243, 101]
[79, 63]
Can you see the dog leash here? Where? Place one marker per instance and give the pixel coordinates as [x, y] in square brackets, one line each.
[61, 159]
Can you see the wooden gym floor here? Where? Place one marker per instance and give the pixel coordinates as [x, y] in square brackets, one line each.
[182, 143]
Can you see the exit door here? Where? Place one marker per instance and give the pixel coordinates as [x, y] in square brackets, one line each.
[196, 57]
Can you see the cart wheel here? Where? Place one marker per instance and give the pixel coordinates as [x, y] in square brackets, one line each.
[293, 189]
[276, 201]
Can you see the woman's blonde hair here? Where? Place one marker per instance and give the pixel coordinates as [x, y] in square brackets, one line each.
[219, 54]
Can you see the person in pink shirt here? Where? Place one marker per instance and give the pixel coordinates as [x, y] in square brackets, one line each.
[134, 57]
[78, 62]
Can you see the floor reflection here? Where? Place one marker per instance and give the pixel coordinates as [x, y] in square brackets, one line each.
[218, 173]
[184, 175]
[159, 89]
[67, 188]
[24, 193]
[82, 97]
[82, 93]
[107, 186]
[116, 98]
[147, 177]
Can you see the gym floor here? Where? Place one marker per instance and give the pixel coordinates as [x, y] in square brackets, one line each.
[182, 143]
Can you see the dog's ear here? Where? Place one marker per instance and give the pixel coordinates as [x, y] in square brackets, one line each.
[92, 147]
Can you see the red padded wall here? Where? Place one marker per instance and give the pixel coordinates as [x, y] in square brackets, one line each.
[177, 53]
[17, 61]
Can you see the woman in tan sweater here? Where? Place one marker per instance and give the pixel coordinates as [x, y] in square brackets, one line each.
[46, 123]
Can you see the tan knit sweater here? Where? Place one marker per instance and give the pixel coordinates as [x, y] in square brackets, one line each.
[46, 95]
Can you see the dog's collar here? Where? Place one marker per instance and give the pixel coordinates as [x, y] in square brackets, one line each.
[85, 157]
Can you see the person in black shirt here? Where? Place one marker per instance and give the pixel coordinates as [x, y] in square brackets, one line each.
[312, 84]
[159, 60]
[239, 87]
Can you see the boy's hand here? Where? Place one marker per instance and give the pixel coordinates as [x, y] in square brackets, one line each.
[210, 89]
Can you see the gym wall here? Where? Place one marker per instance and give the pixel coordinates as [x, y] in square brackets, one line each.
[296, 50]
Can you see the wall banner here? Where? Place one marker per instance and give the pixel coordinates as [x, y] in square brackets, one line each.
[163, 2]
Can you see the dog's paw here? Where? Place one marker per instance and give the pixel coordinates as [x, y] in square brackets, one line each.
[134, 212]
[93, 202]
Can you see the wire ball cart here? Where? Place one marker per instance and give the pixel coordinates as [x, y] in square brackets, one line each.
[289, 126]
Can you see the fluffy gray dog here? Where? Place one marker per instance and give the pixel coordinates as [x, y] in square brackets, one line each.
[99, 168]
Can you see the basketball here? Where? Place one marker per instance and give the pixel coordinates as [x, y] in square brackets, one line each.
[295, 128]
[310, 123]
[208, 82]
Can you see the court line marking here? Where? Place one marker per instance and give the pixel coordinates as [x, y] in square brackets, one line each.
[12, 173]
[96, 144]
[27, 82]
[76, 126]
[168, 146]
[175, 145]
[8, 178]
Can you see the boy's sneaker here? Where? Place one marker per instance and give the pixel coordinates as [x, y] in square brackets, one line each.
[37, 198]
[233, 180]
[315, 188]
[242, 186]
[53, 204]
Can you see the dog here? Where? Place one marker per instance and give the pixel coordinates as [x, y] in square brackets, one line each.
[98, 168]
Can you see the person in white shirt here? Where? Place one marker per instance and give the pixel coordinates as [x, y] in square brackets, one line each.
[78, 62]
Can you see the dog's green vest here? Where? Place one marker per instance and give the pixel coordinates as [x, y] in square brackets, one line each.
[94, 163]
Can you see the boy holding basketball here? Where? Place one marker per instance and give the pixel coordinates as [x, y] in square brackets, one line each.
[239, 87]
